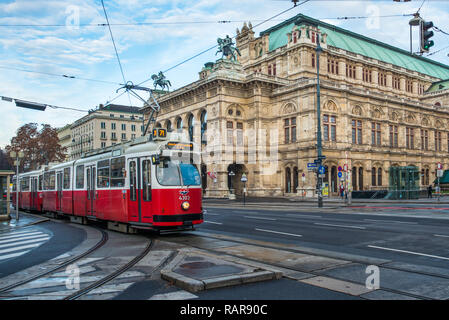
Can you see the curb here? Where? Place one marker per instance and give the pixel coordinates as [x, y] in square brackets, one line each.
[194, 285]
[4, 217]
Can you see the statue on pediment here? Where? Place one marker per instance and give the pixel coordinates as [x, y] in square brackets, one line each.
[227, 48]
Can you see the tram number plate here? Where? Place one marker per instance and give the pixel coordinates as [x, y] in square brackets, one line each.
[184, 198]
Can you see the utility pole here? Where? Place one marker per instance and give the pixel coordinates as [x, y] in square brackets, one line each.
[318, 116]
[17, 155]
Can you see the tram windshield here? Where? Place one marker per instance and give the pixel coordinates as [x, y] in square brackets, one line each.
[175, 173]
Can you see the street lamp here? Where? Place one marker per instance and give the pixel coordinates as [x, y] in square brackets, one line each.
[17, 155]
[231, 174]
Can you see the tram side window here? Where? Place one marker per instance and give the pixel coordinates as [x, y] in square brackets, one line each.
[80, 177]
[146, 179]
[103, 174]
[118, 172]
[41, 178]
[66, 183]
[25, 184]
[132, 180]
[52, 181]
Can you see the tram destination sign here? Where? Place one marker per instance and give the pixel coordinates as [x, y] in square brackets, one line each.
[159, 133]
[179, 146]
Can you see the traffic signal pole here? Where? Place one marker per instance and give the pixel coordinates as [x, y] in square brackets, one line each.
[318, 111]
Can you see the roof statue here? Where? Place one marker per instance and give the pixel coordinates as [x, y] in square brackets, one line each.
[159, 80]
[227, 48]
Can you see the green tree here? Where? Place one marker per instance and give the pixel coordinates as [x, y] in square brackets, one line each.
[39, 146]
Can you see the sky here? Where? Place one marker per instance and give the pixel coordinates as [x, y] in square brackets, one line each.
[179, 30]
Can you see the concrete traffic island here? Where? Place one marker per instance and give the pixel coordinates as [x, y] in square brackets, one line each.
[196, 271]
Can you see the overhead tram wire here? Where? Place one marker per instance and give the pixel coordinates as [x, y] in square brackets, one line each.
[115, 48]
[59, 75]
[193, 22]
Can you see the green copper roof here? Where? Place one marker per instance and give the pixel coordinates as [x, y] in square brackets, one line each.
[440, 85]
[353, 42]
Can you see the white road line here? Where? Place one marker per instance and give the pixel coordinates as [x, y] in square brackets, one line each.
[406, 222]
[12, 255]
[441, 235]
[177, 295]
[17, 232]
[410, 252]
[338, 225]
[25, 242]
[213, 222]
[271, 219]
[302, 215]
[20, 248]
[211, 214]
[21, 235]
[24, 238]
[288, 234]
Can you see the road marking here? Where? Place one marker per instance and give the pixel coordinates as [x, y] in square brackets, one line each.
[406, 222]
[24, 238]
[338, 225]
[441, 235]
[212, 214]
[213, 222]
[410, 252]
[20, 248]
[21, 235]
[17, 232]
[288, 234]
[24, 242]
[12, 255]
[271, 219]
[302, 215]
[177, 295]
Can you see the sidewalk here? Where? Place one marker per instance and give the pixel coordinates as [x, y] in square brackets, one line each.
[335, 201]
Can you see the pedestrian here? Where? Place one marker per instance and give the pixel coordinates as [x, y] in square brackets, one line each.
[342, 191]
[429, 191]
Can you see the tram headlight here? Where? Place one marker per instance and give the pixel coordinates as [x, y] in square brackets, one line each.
[185, 205]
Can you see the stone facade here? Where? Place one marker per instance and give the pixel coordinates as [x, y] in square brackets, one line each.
[374, 115]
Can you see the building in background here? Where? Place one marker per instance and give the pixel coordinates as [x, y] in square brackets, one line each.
[381, 107]
[103, 127]
[65, 138]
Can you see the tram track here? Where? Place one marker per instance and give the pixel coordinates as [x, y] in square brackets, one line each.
[113, 275]
[97, 246]
[317, 272]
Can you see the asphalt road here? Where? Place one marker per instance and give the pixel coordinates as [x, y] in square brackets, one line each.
[421, 241]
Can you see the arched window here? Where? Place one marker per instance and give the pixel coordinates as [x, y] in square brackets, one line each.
[373, 176]
[295, 179]
[203, 119]
[379, 176]
[354, 178]
[191, 123]
[288, 180]
[360, 178]
[179, 123]
[334, 181]
[168, 125]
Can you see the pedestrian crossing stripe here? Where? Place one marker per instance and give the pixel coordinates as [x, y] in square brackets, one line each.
[17, 243]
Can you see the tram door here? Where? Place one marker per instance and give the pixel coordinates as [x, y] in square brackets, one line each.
[59, 191]
[91, 192]
[140, 195]
[34, 193]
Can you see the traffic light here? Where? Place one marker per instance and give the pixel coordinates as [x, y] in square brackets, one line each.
[425, 35]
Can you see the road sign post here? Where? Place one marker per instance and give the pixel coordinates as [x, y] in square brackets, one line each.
[244, 179]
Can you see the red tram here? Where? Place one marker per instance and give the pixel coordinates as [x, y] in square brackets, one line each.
[139, 184]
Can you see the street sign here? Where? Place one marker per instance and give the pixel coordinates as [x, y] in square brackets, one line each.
[311, 165]
[345, 167]
[440, 173]
[340, 174]
[439, 166]
[339, 168]
[321, 170]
